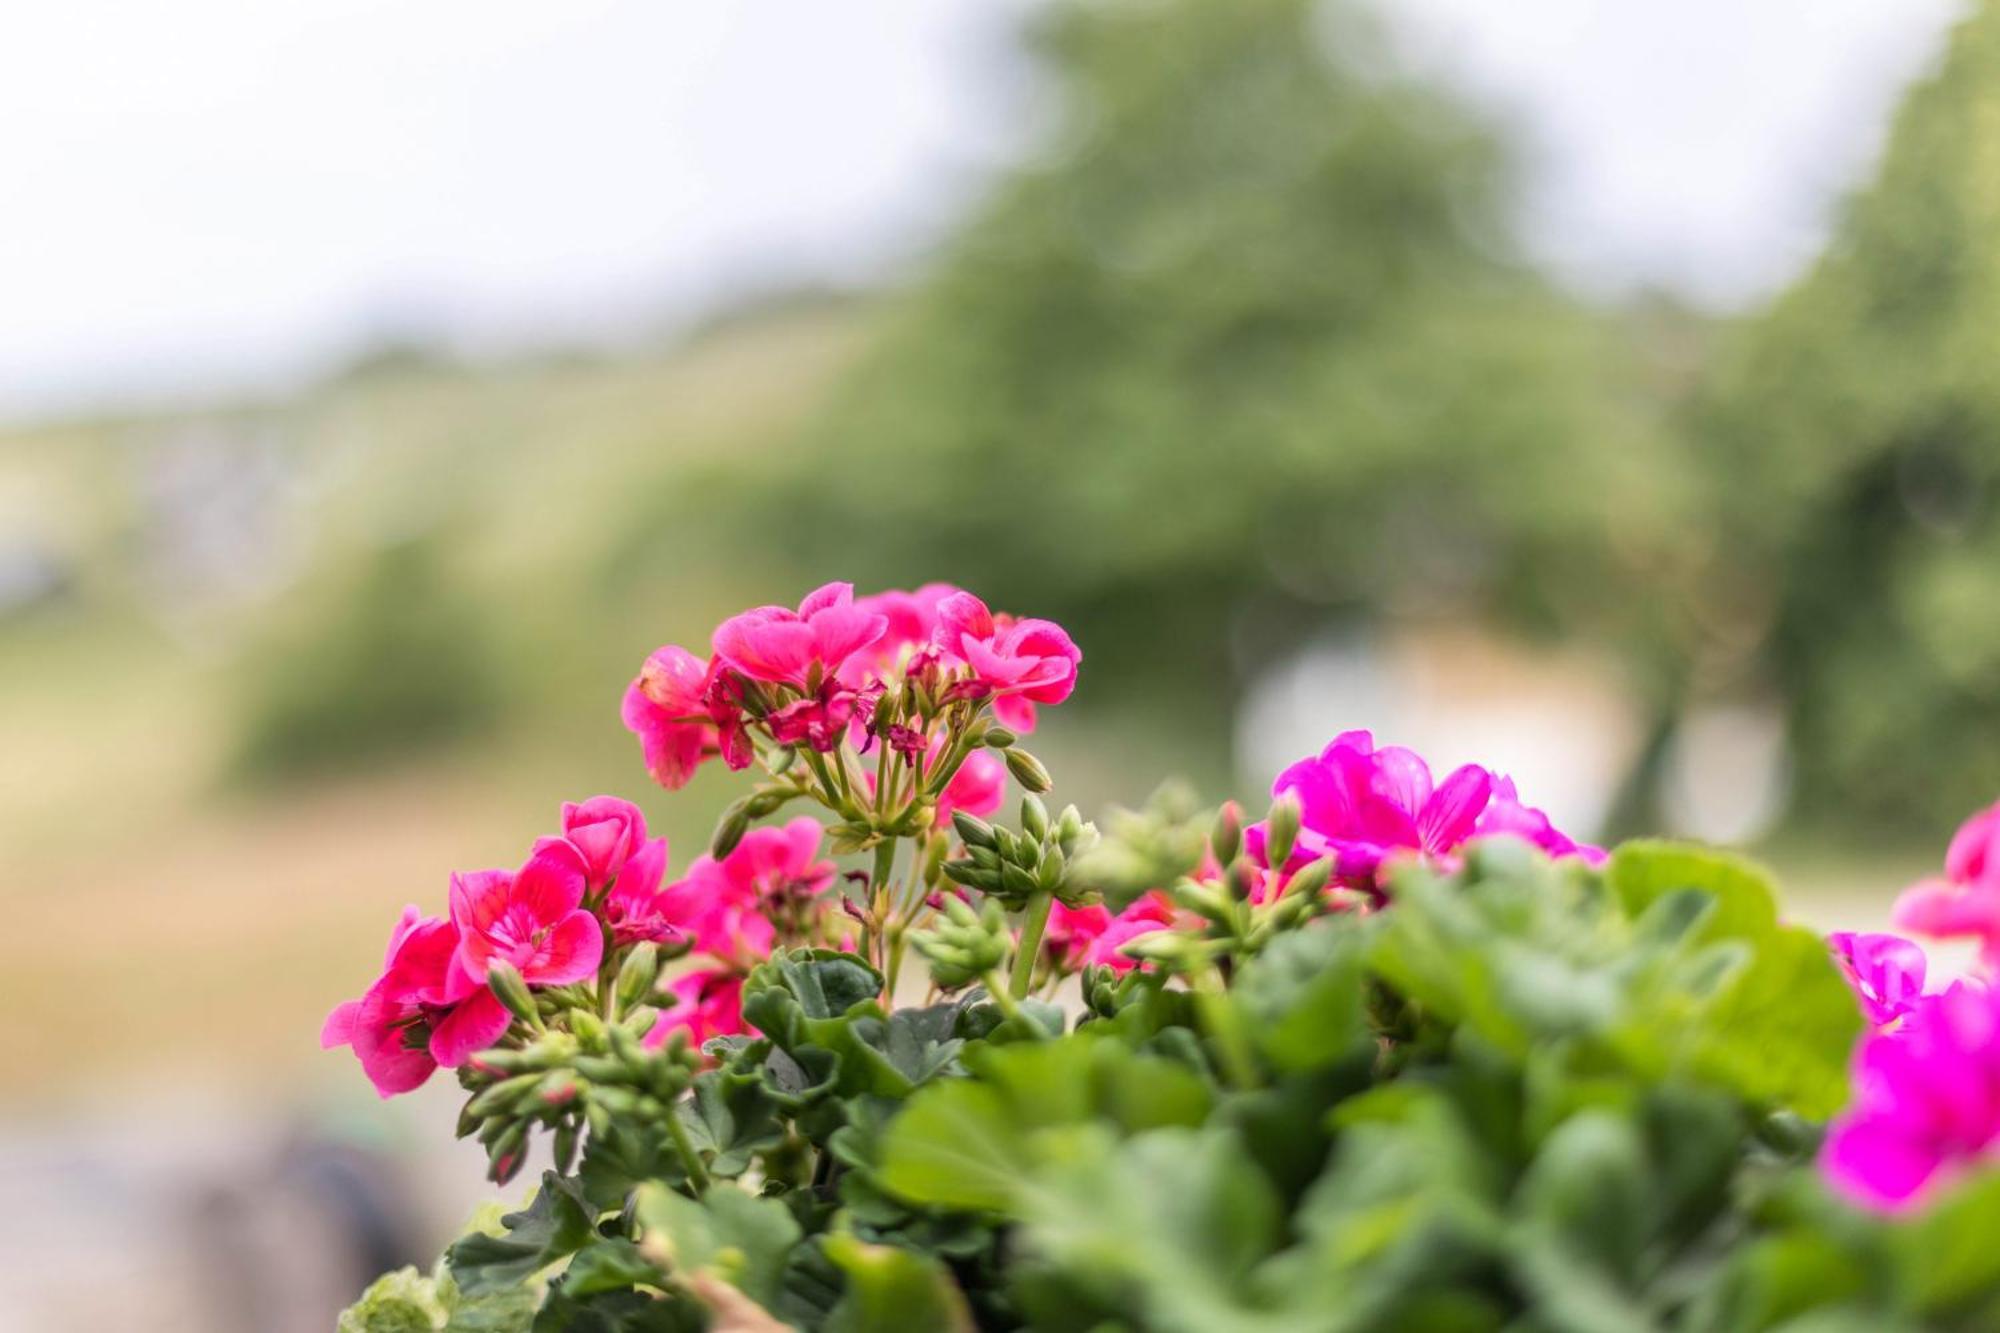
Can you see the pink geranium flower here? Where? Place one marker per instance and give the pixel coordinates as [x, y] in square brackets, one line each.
[1885, 971]
[1150, 913]
[1072, 933]
[727, 905]
[977, 788]
[910, 623]
[1017, 663]
[421, 1013]
[606, 833]
[668, 708]
[771, 643]
[531, 918]
[708, 1004]
[637, 908]
[1966, 901]
[1365, 806]
[1926, 1102]
[1505, 816]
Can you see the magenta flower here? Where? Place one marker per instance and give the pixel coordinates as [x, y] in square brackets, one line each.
[421, 1013]
[911, 622]
[667, 707]
[977, 788]
[1365, 807]
[727, 905]
[531, 918]
[773, 644]
[606, 833]
[1149, 914]
[637, 908]
[708, 1004]
[1072, 933]
[1505, 816]
[1017, 663]
[1885, 971]
[1926, 1102]
[1966, 901]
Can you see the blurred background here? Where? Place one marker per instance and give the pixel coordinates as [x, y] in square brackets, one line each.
[1605, 392]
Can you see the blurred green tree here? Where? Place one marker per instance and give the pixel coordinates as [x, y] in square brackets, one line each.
[1853, 431]
[1246, 346]
[401, 661]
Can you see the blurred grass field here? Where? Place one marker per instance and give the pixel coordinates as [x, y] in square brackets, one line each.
[199, 921]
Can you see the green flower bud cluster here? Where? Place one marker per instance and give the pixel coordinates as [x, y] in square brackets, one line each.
[1240, 920]
[967, 945]
[577, 1069]
[1012, 867]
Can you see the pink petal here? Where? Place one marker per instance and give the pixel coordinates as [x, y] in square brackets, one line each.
[826, 597]
[1453, 809]
[571, 952]
[552, 880]
[673, 679]
[1871, 1161]
[469, 1029]
[338, 1030]
[1016, 711]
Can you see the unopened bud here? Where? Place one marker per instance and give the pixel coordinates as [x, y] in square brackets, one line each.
[564, 1150]
[1308, 882]
[1281, 830]
[1028, 771]
[589, 1028]
[510, 990]
[1226, 838]
[735, 823]
[1242, 880]
[1000, 738]
[637, 974]
[1034, 819]
[640, 1020]
[1017, 882]
[502, 1096]
[972, 830]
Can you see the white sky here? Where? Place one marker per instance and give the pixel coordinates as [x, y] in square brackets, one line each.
[217, 194]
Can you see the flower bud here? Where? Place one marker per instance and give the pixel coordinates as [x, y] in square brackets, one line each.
[589, 1028]
[1226, 838]
[1028, 771]
[735, 823]
[564, 1149]
[1308, 882]
[637, 974]
[1281, 830]
[1016, 882]
[972, 830]
[1242, 880]
[1034, 819]
[1000, 738]
[501, 1097]
[640, 1020]
[510, 990]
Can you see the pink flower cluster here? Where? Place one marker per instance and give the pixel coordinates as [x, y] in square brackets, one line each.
[810, 677]
[1926, 1103]
[1367, 807]
[560, 920]
[731, 911]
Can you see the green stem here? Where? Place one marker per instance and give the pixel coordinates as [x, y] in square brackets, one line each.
[1009, 1006]
[697, 1173]
[1034, 921]
[1225, 1027]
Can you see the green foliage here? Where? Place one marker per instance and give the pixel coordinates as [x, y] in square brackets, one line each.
[400, 663]
[1525, 1095]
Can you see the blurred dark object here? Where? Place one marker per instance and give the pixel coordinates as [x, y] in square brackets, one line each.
[1854, 435]
[401, 661]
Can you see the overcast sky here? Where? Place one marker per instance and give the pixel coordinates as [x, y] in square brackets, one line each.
[213, 195]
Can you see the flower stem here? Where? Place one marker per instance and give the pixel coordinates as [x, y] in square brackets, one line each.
[697, 1173]
[1034, 920]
